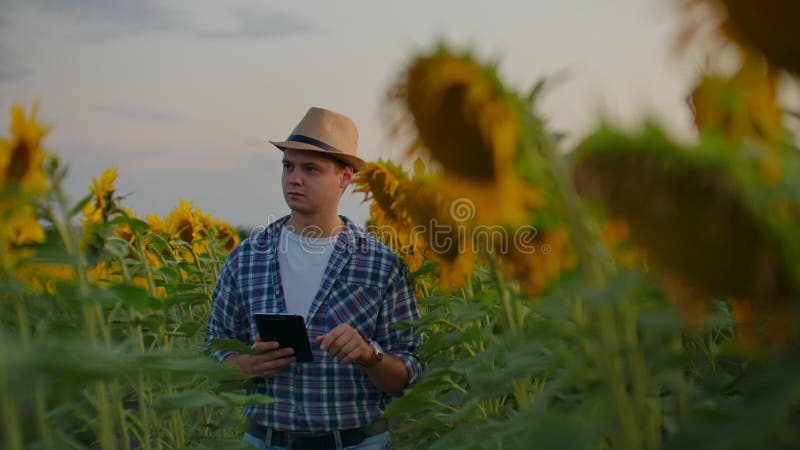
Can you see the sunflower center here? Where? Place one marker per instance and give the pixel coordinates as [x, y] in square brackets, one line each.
[186, 232]
[454, 137]
[18, 165]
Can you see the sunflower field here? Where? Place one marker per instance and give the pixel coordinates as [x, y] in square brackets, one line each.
[635, 291]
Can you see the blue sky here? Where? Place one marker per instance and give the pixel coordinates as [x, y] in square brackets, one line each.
[183, 96]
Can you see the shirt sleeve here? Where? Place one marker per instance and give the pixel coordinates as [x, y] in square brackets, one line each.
[399, 305]
[227, 318]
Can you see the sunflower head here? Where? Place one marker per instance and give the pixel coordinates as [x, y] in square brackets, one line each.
[768, 26]
[742, 106]
[105, 273]
[698, 213]
[536, 265]
[156, 223]
[441, 233]
[225, 235]
[466, 121]
[102, 190]
[463, 116]
[123, 230]
[182, 222]
[43, 277]
[21, 156]
[388, 187]
[381, 183]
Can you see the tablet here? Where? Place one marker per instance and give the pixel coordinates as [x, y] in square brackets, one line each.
[288, 330]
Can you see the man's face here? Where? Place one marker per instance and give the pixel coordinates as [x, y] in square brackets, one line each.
[312, 183]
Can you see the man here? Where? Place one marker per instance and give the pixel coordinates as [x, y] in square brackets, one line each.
[350, 288]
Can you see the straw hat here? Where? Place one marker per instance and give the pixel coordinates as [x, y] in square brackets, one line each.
[326, 132]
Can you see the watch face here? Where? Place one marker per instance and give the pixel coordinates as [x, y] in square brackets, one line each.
[377, 349]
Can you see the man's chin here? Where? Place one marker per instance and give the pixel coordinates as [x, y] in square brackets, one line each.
[298, 207]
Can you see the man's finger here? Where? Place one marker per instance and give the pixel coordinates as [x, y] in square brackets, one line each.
[351, 357]
[347, 348]
[265, 346]
[272, 354]
[342, 341]
[332, 336]
[276, 364]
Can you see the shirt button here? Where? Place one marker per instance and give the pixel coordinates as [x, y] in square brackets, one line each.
[298, 370]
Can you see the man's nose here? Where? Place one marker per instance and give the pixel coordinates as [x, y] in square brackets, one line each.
[294, 177]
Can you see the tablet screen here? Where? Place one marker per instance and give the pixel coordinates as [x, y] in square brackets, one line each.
[288, 330]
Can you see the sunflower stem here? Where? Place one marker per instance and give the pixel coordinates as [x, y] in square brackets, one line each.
[520, 385]
[62, 223]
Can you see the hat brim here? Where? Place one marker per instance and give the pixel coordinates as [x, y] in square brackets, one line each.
[354, 161]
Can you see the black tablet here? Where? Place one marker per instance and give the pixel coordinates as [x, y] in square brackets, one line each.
[288, 330]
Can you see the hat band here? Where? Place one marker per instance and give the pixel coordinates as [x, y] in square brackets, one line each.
[312, 141]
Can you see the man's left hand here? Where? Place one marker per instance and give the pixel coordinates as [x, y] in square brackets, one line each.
[345, 344]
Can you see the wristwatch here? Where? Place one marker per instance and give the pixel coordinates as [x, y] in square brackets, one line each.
[377, 351]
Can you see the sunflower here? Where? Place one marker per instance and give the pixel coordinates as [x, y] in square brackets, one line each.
[123, 230]
[21, 157]
[767, 25]
[44, 276]
[102, 190]
[182, 223]
[157, 224]
[743, 106]
[443, 237]
[225, 235]
[386, 186]
[19, 224]
[466, 121]
[703, 215]
[22, 176]
[616, 233]
[537, 265]
[105, 273]
[19, 227]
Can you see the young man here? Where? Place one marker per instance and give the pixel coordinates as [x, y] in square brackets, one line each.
[349, 287]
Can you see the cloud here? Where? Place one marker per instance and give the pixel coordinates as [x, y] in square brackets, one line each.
[138, 113]
[109, 19]
[254, 23]
[113, 18]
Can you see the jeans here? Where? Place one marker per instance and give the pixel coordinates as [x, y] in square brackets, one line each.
[378, 442]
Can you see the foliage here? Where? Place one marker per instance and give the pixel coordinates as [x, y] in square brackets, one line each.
[101, 325]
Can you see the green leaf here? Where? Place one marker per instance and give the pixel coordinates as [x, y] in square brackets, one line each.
[232, 345]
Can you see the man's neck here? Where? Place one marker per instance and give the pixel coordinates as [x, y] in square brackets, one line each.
[314, 226]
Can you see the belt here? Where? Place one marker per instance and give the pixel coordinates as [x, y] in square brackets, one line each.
[322, 440]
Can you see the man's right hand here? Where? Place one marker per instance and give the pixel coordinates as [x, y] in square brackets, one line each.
[267, 363]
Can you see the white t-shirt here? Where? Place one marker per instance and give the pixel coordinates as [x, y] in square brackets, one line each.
[302, 262]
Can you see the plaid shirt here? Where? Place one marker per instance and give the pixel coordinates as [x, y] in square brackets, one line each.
[364, 285]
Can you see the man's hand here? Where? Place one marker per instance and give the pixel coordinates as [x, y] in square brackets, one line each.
[345, 344]
[265, 364]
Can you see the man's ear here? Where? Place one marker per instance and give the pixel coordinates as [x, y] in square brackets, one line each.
[347, 176]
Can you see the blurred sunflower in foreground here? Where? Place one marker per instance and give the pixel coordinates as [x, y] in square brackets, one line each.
[485, 186]
[705, 216]
[766, 26]
[744, 108]
[22, 179]
[412, 216]
[465, 120]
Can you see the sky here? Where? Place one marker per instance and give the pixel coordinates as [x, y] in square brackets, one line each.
[183, 96]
